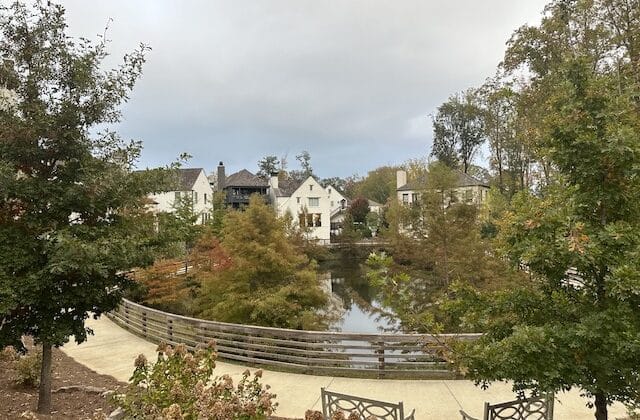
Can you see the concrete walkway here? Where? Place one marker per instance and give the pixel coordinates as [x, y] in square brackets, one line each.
[112, 351]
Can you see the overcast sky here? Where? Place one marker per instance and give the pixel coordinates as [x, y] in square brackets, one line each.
[352, 82]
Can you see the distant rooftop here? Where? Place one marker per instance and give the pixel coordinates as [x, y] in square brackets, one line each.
[287, 187]
[245, 178]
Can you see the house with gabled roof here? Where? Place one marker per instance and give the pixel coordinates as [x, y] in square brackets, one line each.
[239, 186]
[307, 202]
[193, 185]
[467, 190]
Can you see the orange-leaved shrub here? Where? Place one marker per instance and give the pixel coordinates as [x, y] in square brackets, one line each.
[180, 385]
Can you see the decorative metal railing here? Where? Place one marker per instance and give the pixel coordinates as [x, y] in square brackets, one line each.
[312, 352]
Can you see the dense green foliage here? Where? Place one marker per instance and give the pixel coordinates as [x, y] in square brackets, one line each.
[435, 242]
[458, 131]
[269, 282]
[73, 213]
[576, 323]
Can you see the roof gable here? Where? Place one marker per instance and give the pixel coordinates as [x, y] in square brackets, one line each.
[188, 177]
[287, 187]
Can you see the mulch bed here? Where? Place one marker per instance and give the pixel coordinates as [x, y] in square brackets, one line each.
[16, 399]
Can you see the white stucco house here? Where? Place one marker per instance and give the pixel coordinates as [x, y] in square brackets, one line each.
[310, 205]
[193, 183]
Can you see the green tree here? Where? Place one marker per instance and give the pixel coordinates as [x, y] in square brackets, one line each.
[270, 282]
[73, 214]
[379, 185]
[335, 182]
[437, 243]
[181, 226]
[305, 163]
[267, 166]
[305, 171]
[457, 131]
[374, 222]
[562, 331]
[217, 213]
[510, 159]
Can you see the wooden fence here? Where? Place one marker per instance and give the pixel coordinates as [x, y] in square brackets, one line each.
[312, 352]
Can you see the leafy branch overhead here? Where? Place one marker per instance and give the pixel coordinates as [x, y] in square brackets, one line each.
[74, 213]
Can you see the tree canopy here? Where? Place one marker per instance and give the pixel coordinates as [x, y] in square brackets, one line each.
[576, 323]
[73, 213]
[457, 131]
[269, 281]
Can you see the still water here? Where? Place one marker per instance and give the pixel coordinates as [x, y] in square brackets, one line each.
[354, 302]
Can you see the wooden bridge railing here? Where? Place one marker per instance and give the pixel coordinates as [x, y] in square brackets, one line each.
[312, 352]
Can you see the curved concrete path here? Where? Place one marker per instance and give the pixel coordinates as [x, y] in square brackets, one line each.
[112, 350]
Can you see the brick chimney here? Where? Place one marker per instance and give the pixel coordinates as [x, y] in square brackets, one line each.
[221, 177]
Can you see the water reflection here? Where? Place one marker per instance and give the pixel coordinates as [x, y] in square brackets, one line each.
[353, 300]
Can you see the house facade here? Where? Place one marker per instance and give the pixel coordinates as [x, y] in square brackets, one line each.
[307, 202]
[194, 185]
[339, 205]
[467, 190]
[239, 186]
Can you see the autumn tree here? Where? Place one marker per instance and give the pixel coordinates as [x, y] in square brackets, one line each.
[437, 243]
[269, 282]
[457, 131]
[576, 323]
[73, 213]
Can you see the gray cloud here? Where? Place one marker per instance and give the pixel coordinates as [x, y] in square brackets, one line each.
[351, 81]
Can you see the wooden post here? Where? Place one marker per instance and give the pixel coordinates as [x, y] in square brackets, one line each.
[170, 329]
[144, 323]
[380, 352]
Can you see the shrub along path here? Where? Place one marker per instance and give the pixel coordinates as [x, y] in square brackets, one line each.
[112, 351]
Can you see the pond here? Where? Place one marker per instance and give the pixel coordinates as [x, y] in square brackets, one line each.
[353, 300]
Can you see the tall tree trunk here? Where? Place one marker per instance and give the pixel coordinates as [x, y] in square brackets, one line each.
[601, 406]
[44, 394]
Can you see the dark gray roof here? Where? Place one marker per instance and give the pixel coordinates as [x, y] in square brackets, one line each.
[188, 177]
[245, 178]
[464, 180]
[287, 187]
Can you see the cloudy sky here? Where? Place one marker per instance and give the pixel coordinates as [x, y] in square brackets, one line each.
[352, 82]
